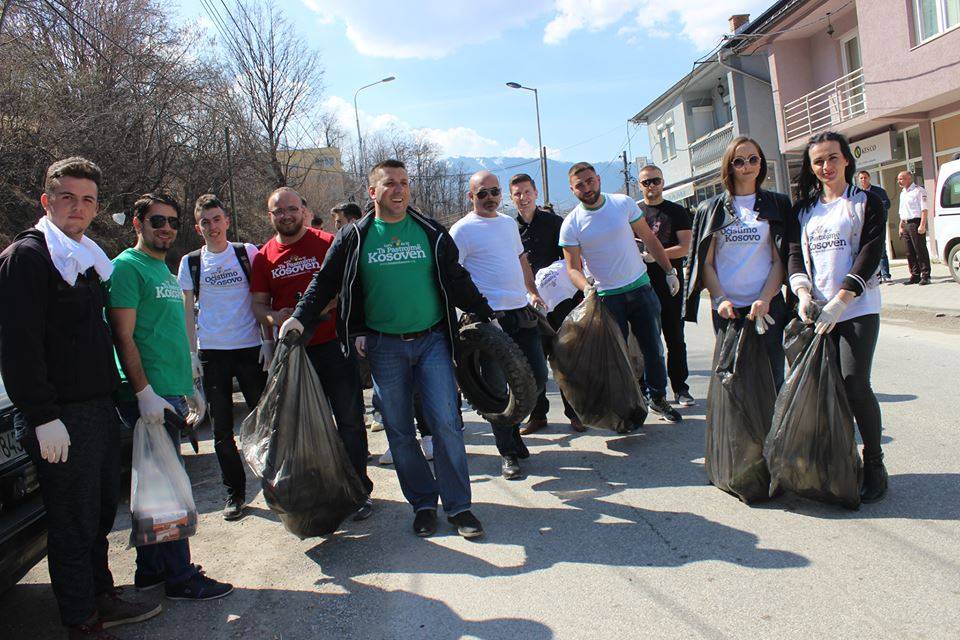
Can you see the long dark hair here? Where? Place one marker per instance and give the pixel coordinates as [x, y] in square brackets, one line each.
[809, 186]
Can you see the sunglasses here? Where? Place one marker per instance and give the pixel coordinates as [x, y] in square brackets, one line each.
[651, 182]
[157, 222]
[740, 163]
[483, 193]
[276, 213]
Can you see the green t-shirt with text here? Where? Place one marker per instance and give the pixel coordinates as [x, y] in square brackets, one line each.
[142, 282]
[397, 274]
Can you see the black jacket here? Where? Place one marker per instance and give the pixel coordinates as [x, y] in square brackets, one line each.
[712, 216]
[55, 344]
[340, 270]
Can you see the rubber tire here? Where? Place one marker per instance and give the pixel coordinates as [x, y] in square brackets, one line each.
[953, 262]
[485, 339]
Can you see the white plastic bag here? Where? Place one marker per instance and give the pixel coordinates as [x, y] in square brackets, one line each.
[161, 500]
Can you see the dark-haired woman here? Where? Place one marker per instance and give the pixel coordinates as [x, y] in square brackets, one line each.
[739, 251]
[836, 238]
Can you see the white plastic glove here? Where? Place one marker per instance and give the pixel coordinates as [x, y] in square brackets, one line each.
[830, 314]
[762, 323]
[290, 324]
[195, 365]
[361, 344]
[673, 282]
[648, 257]
[151, 405]
[54, 441]
[806, 308]
[266, 354]
[197, 404]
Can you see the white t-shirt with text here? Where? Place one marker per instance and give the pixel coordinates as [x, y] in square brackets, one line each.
[226, 319]
[490, 250]
[743, 254]
[554, 284]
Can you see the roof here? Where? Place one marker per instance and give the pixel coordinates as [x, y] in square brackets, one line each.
[771, 16]
[676, 89]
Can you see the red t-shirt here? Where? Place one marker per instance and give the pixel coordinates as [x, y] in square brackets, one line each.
[285, 270]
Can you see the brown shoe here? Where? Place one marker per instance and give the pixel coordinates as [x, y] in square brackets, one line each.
[89, 630]
[115, 610]
[533, 425]
[577, 426]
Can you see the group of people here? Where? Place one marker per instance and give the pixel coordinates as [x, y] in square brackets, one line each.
[88, 341]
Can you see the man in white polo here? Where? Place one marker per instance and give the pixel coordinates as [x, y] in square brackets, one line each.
[913, 228]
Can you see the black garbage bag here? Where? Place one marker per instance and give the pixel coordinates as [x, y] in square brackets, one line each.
[811, 448]
[592, 367]
[291, 442]
[739, 409]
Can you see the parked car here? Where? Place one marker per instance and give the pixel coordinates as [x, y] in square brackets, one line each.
[947, 219]
[23, 521]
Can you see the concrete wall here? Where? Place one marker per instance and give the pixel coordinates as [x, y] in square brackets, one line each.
[753, 108]
[678, 168]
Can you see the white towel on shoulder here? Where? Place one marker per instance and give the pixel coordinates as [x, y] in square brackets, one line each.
[72, 258]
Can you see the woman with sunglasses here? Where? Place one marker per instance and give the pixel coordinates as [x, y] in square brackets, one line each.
[836, 237]
[738, 251]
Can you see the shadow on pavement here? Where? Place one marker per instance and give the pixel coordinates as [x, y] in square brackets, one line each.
[895, 397]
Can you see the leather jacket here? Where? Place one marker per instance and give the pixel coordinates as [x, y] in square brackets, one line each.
[716, 214]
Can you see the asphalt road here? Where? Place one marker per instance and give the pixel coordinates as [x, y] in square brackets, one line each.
[609, 536]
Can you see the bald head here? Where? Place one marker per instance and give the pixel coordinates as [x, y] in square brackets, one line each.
[904, 179]
[485, 193]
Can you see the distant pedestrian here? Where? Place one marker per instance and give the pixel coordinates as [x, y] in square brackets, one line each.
[864, 178]
[913, 227]
[671, 223]
[345, 213]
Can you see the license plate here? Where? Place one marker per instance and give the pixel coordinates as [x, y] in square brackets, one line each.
[9, 446]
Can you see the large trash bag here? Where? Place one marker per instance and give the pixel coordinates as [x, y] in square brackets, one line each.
[592, 367]
[161, 499]
[740, 404]
[811, 448]
[291, 442]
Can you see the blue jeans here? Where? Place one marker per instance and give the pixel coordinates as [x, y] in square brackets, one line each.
[399, 368]
[884, 264]
[168, 559]
[641, 309]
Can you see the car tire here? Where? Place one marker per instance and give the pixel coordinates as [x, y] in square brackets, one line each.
[953, 261]
[482, 339]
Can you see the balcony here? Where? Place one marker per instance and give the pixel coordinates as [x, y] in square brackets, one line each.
[823, 109]
[706, 151]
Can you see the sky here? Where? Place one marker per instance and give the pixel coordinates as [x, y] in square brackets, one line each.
[595, 63]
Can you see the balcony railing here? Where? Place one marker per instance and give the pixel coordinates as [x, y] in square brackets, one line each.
[706, 151]
[828, 106]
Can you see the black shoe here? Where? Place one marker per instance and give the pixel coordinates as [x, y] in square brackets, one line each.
[233, 510]
[874, 479]
[198, 587]
[145, 582]
[425, 523]
[661, 407]
[924, 281]
[114, 609]
[510, 468]
[364, 512]
[913, 281]
[467, 525]
[684, 399]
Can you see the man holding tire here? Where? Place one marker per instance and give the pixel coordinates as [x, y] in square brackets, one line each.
[491, 250]
[399, 279]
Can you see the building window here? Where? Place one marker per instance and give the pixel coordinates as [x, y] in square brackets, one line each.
[932, 17]
[672, 140]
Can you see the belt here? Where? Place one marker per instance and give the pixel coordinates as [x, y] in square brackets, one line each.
[409, 337]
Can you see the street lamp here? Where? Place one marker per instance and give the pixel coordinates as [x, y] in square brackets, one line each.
[542, 151]
[356, 113]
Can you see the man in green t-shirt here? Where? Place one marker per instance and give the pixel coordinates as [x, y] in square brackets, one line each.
[150, 335]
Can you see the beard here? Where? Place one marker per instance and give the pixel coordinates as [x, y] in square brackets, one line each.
[590, 199]
[288, 228]
[158, 244]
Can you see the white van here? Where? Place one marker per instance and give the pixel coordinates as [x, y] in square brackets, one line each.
[947, 220]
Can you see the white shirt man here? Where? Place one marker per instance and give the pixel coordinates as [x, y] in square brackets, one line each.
[913, 228]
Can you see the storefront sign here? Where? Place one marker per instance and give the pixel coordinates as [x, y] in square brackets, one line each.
[677, 194]
[873, 150]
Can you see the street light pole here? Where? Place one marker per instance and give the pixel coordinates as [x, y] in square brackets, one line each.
[542, 152]
[356, 113]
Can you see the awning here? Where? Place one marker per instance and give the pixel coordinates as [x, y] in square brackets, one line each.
[679, 192]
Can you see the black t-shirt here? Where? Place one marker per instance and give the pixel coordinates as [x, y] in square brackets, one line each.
[665, 219]
[541, 238]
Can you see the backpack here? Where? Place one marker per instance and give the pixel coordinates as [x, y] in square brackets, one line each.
[193, 262]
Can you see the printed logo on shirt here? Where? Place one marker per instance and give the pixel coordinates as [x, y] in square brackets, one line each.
[397, 252]
[741, 233]
[295, 265]
[223, 278]
[169, 290]
[824, 240]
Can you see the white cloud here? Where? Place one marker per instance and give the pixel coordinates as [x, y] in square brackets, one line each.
[702, 21]
[460, 141]
[524, 149]
[424, 28]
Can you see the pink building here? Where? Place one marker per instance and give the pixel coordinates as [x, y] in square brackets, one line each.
[885, 73]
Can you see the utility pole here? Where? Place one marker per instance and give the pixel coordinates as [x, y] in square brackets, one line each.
[626, 174]
[233, 204]
[546, 179]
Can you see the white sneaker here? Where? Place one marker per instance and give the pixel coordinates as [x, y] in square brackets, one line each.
[387, 457]
[426, 445]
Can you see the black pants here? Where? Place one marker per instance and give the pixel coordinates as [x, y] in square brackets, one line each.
[556, 318]
[341, 382]
[80, 496]
[856, 340]
[220, 367]
[671, 323]
[772, 339]
[918, 258]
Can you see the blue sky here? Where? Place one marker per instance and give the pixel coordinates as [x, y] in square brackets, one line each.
[594, 62]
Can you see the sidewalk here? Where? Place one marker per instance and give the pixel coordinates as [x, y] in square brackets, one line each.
[942, 295]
